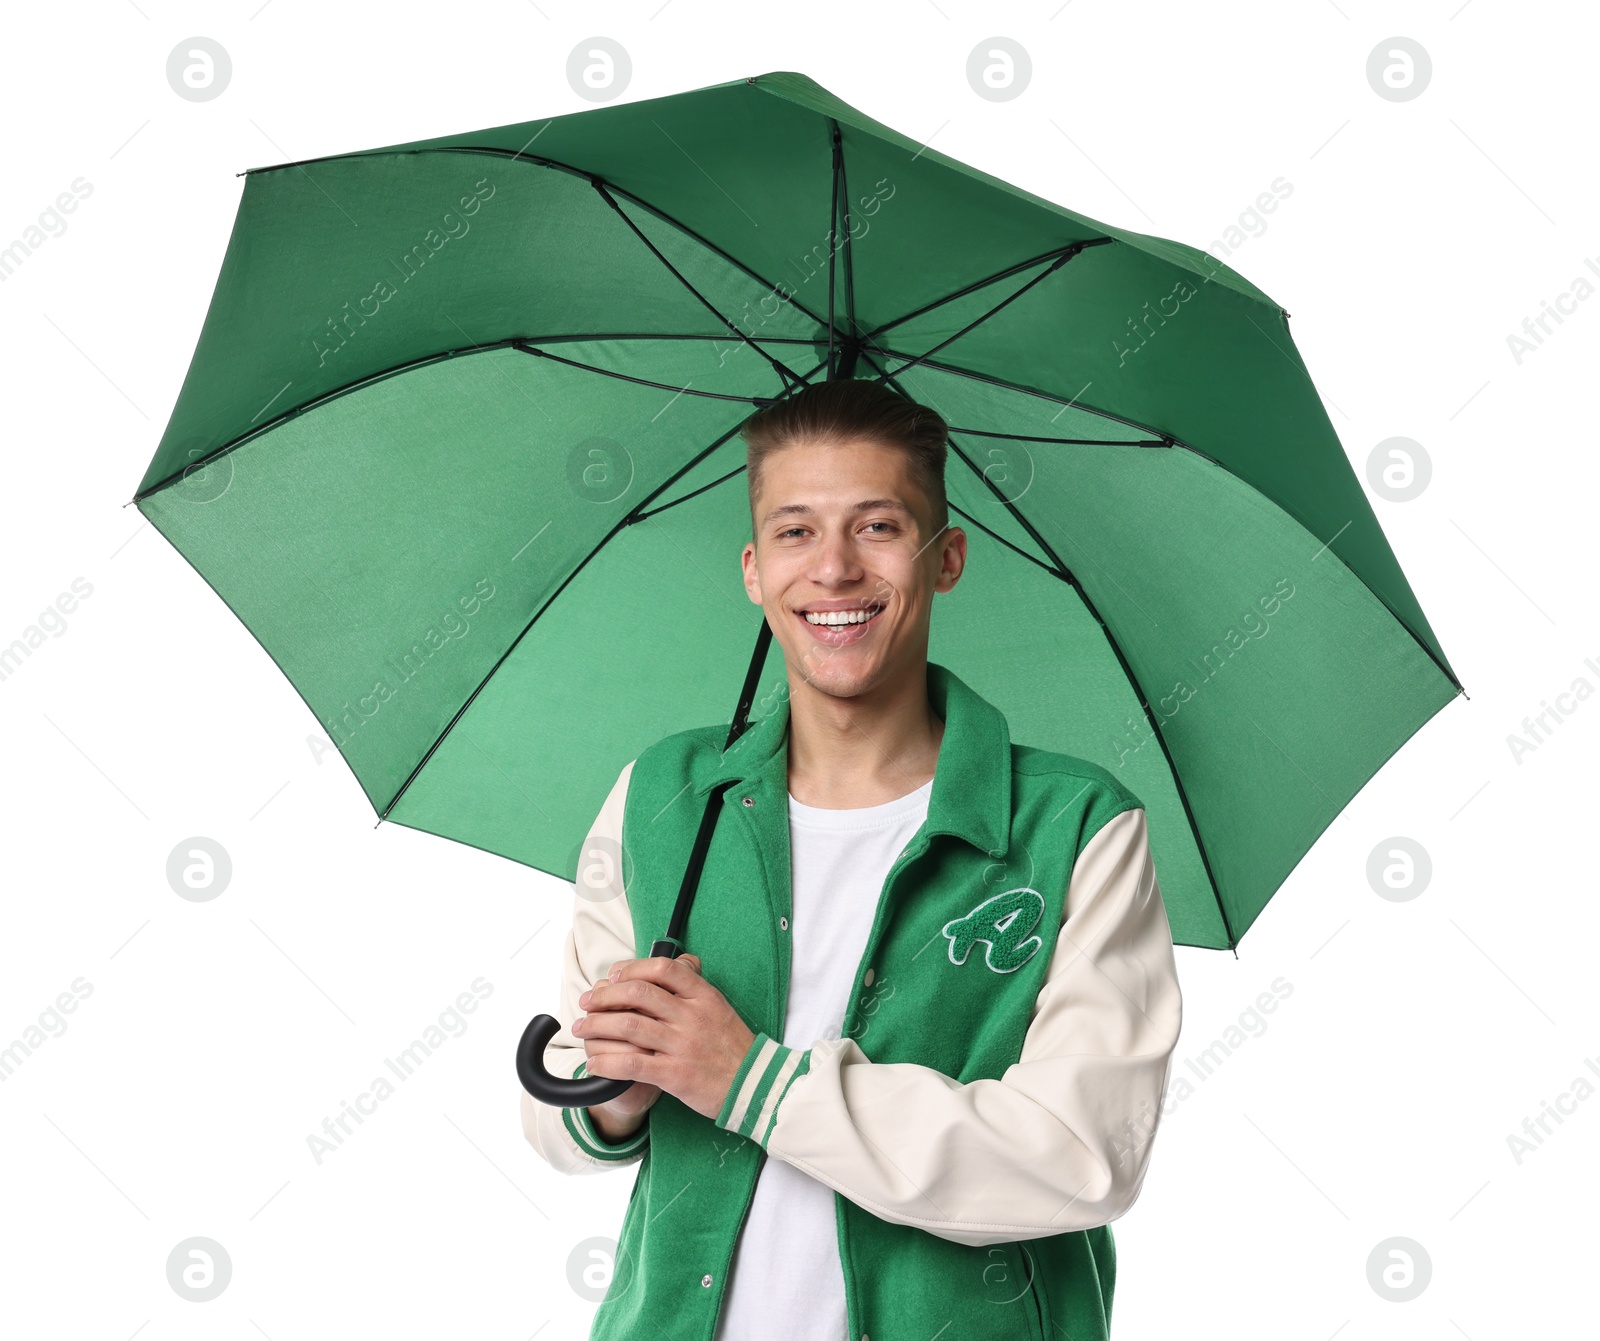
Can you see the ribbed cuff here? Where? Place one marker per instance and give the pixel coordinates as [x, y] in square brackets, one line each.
[764, 1077]
[588, 1136]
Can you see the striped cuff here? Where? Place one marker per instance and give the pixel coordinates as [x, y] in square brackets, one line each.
[587, 1135]
[768, 1069]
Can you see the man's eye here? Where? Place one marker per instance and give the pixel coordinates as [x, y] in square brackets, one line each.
[790, 531]
[889, 525]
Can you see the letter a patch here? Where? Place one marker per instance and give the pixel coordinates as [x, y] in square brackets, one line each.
[1003, 923]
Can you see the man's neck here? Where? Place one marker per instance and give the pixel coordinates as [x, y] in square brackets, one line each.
[846, 753]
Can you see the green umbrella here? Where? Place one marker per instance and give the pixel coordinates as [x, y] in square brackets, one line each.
[459, 446]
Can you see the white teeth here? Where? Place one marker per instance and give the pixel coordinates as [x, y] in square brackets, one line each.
[837, 618]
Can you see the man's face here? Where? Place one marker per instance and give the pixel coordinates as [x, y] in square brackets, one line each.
[842, 532]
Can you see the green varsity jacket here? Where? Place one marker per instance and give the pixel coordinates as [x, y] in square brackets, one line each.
[991, 1104]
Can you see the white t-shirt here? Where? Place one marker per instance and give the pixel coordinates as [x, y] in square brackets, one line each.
[787, 1283]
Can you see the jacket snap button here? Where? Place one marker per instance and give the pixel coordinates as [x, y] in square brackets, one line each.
[706, 1281]
[867, 978]
[784, 923]
[749, 801]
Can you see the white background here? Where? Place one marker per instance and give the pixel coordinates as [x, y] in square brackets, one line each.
[1377, 1099]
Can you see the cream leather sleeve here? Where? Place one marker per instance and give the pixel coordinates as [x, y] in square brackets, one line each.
[601, 934]
[1059, 1142]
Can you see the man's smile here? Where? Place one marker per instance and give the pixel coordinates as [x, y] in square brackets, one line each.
[838, 623]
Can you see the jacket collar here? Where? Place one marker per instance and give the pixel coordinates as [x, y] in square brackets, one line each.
[971, 796]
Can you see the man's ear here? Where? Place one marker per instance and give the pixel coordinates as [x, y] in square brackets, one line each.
[952, 558]
[752, 576]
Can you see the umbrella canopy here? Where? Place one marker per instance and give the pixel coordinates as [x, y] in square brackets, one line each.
[459, 446]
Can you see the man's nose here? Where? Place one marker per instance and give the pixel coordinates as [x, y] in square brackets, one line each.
[836, 558]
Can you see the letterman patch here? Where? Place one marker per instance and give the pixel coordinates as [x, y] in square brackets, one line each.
[1003, 923]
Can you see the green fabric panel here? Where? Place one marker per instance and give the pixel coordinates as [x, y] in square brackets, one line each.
[650, 638]
[728, 457]
[1024, 640]
[346, 535]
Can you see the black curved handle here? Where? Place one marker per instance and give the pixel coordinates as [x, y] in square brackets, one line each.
[584, 1092]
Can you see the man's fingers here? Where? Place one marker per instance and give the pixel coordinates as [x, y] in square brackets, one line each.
[643, 1032]
[653, 987]
[642, 993]
[618, 969]
[595, 1047]
[672, 974]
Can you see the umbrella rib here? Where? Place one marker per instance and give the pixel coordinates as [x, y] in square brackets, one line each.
[783, 373]
[1083, 442]
[983, 283]
[849, 252]
[627, 520]
[833, 250]
[1075, 249]
[294, 411]
[995, 535]
[580, 337]
[525, 347]
[1074, 404]
[1066, 575]
[851, 348]
[637, 516]
[515, 341]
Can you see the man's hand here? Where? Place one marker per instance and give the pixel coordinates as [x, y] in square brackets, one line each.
[660, 1024]
[617, 1119]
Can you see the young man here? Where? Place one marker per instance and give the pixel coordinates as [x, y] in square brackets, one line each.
[914, 1065]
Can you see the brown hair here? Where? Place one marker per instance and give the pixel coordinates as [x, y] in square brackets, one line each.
[853, 408]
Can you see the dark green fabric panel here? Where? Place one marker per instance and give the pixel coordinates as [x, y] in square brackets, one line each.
[747, 170]
[754, 307]
[1200, 362]
[800, 89]
[542, 255]
[763, 145]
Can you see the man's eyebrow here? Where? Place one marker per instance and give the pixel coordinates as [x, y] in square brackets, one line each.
[865, 505]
